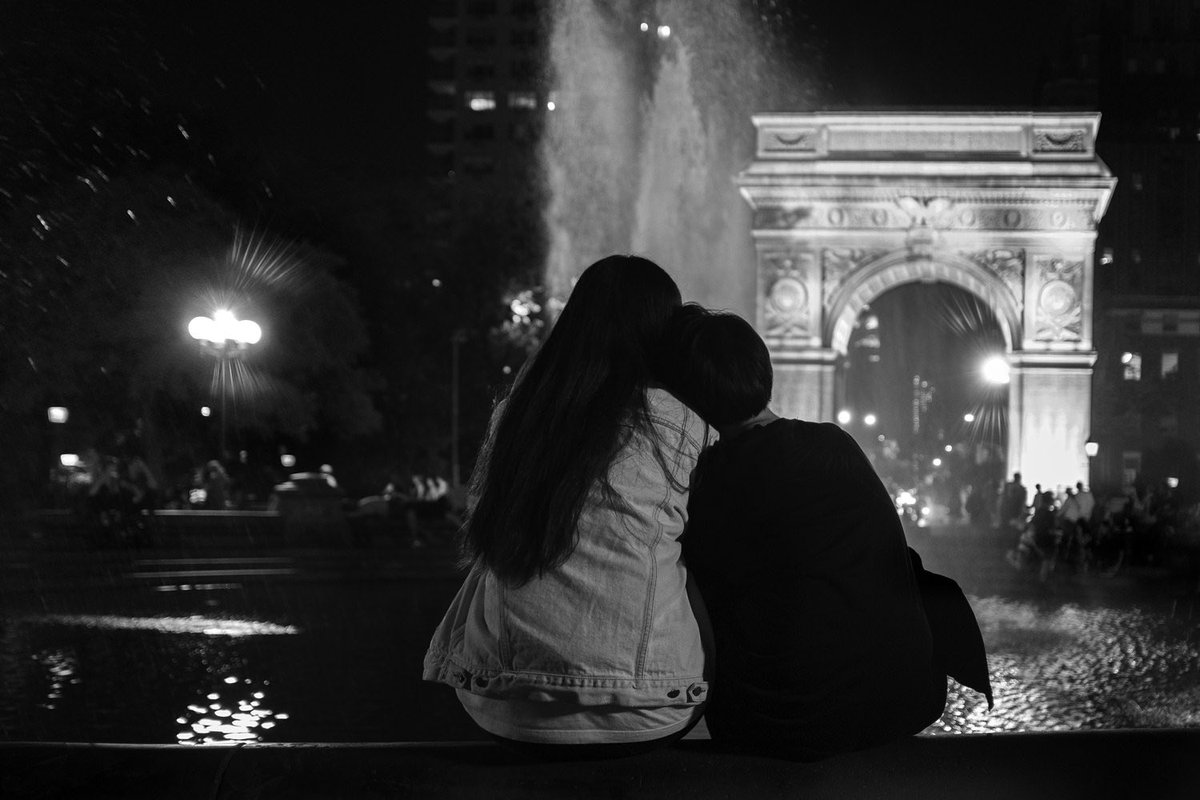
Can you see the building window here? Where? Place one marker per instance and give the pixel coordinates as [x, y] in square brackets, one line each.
[1131, 465]
[524, 69]
[481, 37]
[481, 72]
[480, 101]
[1133, 366]
[1170, 363]
[1106, 256]
[480, 165]
[523, 100]
[480, 133]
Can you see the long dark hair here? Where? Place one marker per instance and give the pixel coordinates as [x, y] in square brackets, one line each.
[567, 415]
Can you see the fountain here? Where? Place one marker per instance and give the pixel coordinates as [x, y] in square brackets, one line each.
[651, 123]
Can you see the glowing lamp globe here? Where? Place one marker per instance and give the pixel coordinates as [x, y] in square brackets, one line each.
[995, 370]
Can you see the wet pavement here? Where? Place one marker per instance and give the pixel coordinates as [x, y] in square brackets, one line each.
[213, 642]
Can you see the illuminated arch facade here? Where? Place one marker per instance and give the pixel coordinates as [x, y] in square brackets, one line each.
[1004, 205]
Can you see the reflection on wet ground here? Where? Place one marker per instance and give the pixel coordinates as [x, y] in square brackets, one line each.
[331, 650]
[1062, 667]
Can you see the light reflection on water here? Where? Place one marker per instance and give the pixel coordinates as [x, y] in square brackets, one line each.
[343, 659]
[233, 715]
[1072, 668]
[209, 626]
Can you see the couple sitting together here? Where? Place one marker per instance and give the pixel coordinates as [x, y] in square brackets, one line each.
[628, 575]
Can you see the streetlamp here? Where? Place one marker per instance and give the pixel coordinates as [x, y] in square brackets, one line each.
[1091, 448]
[224, 337]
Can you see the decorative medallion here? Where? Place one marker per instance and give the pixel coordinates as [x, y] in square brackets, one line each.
[967, 218]
[1059, 309]
[1072, 140]
[788, 297]
[836, 217]
[785, 308]
[1012, 218]
[804, 139]
[1056, 298]
[879, 217]
[1058, 219]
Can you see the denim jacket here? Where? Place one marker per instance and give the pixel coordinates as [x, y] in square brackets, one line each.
[612, 625]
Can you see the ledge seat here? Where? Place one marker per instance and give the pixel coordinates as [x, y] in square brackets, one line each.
[1094, 765]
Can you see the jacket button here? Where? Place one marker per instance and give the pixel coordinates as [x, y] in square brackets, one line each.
[673, 693]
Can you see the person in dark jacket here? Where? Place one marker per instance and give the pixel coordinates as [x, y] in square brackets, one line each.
[829, 634]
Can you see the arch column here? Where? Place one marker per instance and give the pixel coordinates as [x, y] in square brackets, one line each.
[1046, 431]
[805, 382]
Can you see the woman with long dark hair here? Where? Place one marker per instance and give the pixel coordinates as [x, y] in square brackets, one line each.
[573, 631]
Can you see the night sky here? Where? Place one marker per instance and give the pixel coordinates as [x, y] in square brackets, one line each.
[330, 100]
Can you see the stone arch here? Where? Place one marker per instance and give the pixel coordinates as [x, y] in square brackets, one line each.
[1002, 204]
[898, 268]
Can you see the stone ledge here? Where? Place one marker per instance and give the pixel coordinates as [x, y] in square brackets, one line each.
[1094, 765]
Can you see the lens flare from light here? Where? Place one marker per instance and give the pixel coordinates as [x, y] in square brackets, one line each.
[995, 370]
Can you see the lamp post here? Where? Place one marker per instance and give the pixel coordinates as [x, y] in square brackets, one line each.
[1091, 448]
[224, 337]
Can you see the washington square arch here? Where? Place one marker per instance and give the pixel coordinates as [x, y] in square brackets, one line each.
[846, 206]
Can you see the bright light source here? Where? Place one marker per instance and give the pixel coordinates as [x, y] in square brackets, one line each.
[995, 370]
[968, 417]
[69, 460]
[224, 327]
[205, 411]
[287, 460]
[869, 420]
[937, 462]
[844, 417]
[664, 31]
[645, 26]
[57, 414]
[1126, 358]
[1173, 482]
[949, 448]
[871, 323]
[550, 106]
[1091, 448]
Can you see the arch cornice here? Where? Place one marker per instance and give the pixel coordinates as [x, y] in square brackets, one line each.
[902, 266]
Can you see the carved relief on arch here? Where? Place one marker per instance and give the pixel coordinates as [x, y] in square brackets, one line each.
[789, 280]
[837, 263]
[1057, 299]
[1007, 264]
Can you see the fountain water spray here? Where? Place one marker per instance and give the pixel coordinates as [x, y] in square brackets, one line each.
[651, 123]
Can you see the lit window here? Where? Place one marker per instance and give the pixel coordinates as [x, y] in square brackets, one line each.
[480, 101]
[1170, 363]
[525, 100]
[1133, 366]
[1106, 256]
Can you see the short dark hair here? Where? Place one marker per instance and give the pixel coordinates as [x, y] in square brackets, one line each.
[721, 366]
